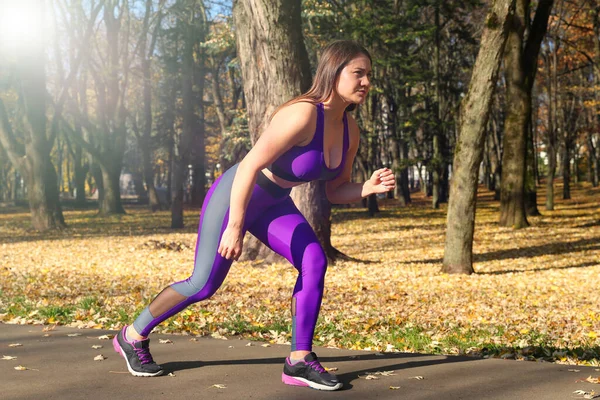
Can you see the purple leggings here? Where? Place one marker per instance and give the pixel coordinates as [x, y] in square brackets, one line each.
[273, 218]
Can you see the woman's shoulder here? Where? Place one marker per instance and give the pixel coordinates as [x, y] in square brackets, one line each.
[300, 114]
[300, 109]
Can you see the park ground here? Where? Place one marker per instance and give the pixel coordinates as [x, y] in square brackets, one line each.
[534, 295]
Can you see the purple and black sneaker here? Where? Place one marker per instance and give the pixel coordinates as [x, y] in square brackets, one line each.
[137, 355]
[309, 373]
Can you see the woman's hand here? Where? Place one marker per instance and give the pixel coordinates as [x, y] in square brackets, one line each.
[231, 243]
[382, 181]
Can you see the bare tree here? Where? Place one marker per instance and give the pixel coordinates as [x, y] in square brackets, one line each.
[458, 253]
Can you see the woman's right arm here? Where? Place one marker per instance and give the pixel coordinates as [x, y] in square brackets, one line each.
[291, 126]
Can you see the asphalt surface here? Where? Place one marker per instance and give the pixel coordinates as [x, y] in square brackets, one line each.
[60, 366]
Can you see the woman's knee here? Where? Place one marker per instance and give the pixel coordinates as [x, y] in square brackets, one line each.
[314, 263]
[206, 292]
[195, 292]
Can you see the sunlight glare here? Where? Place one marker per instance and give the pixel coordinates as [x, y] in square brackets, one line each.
[20, 25]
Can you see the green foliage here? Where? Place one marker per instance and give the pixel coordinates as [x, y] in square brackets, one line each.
[401, 39]
[89, 302]
[237, 139]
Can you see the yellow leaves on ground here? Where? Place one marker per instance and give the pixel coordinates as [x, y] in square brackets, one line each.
[533, 287]
[22, 368]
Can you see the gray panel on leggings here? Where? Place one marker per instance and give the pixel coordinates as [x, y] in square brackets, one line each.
[143, 320]
[209, 235]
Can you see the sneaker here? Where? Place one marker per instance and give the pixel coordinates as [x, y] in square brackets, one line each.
[137, 355]
[310, 373]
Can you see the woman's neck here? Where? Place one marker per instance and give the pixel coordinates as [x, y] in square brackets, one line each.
[335, 107]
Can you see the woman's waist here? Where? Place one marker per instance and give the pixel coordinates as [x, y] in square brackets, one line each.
[279, 181]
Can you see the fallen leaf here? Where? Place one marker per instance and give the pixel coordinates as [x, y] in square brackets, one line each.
[249, 345]
[22, 368]
[265, 345]
[171, 374]
[105, 337]
[586, 395]
[99, 357]
[97, 346]
[9, 358]
[371, 377]
[332, 369]
[15, 345]
[592, 380]
[419, 378]
[74, 334]
[219, 386]
[165, 341]
[394, 387]
[573, 370]
[49, 328]
[217, 335]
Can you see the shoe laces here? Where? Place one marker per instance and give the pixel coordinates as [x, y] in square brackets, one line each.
[316, 365]
[144, 356]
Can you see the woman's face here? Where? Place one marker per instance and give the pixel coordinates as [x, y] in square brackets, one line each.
[354, 81]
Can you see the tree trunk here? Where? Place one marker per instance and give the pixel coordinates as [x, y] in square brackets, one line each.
[199, 152]
[593, 159]
[521, 67]
[275, 68]
[458, 252]
[111, 200]
[145, 141]
[530, 174]
[178, 169]
[404, 181]
[184, 143]
[566, 159]
[33, 161]
[81, 169]
[512, 196]
[436, 161]
[593, 149]
[496, 157]
[551, 133]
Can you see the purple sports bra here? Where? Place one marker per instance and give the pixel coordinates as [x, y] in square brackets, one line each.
[307, 163]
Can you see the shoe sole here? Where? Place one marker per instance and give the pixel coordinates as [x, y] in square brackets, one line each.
[120, 350]
[295, 381]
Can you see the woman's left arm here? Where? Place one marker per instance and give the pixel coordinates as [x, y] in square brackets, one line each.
[342, 191]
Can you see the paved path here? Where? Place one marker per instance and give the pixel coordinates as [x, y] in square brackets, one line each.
[63, 367]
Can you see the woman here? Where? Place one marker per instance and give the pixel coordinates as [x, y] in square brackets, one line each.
[310, 137]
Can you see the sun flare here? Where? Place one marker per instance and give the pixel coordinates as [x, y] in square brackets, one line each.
[21, 24]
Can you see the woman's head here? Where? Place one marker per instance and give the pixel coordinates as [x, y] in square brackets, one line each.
[344, 70]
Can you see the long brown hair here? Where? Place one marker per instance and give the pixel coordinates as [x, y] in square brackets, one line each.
[334, 58]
